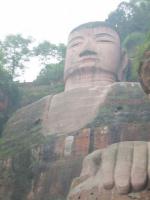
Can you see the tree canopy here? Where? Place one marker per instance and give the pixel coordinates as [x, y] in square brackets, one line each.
[16, 51]
[52, 58]
[49, 53]
[132, 16]
[132, 20]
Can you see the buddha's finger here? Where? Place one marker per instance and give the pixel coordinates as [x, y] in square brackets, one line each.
[123, 167]
[108, 166]
[139, 166]
[91, 163]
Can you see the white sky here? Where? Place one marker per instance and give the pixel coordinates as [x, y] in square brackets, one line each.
[50, 20]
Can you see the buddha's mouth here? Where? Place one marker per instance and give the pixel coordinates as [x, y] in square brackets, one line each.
[88, 59]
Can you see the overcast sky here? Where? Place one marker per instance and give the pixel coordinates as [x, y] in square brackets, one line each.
[50, 20]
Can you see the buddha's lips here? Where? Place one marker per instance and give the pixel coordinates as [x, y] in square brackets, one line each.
[88, 59]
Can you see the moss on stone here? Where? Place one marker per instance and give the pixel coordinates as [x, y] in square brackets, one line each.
[124, 104]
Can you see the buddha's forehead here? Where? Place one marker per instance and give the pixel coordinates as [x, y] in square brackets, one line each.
[91, 32]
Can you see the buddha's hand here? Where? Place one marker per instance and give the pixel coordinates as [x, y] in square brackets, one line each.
[124, 165]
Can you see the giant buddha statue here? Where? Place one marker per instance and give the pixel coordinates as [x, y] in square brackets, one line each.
[121, 171]
[94, 59]
[97, 109]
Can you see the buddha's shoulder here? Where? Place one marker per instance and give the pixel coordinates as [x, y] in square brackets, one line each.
[126, 90]
[28, 116]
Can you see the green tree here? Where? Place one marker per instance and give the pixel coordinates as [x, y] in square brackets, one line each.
[122, 19]
[138, 2]
[45, 52]
[141, 17]
[132, 20]
[61, 52]
[131, 17]
[9, 88]
[141, 49]
[132, 41]
[52, 58]
[50, 53]
[51, 74]
[16, 51]
[8, 93]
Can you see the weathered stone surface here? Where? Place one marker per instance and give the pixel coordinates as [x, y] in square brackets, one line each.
[101, 194]
[73, 110]
[55, 180]
[28, 117]
[47, 140]
[82, 142]
[114, 105]
[99, 122]
[118, 172]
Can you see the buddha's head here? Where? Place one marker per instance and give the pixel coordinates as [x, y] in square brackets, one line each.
[94, 56]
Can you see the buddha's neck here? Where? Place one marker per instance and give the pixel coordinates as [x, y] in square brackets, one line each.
[89, 80]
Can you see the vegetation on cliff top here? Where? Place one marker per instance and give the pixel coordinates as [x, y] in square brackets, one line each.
[132, 20]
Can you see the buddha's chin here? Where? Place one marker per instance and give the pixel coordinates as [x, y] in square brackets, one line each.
[87, 64]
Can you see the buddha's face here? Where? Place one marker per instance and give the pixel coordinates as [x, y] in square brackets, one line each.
[93, 49]
[93, 57]
[99, 47]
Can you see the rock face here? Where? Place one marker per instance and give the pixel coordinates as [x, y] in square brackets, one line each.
[94, 193]
[116, 172]
[43, 146]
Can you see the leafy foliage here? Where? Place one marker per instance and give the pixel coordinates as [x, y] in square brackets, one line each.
[9, 93]
[131, 42]
[122, 19]
[52, 57]
[51, 74]
[48, 53]
[141, 49]
[16, 52]
[132, 20]
[131, 17]
[9, 88]
[34, 92]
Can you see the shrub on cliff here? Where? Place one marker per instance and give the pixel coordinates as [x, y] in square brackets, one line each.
[9, 96]
[145, 46]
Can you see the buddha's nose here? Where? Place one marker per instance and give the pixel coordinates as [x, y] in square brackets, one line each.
[88, 48]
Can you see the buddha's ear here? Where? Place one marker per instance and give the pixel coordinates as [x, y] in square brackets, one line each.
[123, 68]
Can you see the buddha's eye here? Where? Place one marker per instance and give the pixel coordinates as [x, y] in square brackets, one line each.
[74, 44]
[104, 38]
[104, 41]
